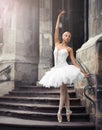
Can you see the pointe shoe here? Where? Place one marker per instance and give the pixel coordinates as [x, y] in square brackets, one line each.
[59, 117]
[68, 113]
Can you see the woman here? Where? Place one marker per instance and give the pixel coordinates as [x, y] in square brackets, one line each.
[62, 73]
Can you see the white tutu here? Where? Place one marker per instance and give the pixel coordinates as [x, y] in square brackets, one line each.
[62, 72]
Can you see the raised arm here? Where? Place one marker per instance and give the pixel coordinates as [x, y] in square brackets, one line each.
[56, 35]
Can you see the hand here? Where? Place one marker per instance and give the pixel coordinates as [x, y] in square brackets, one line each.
[61, 13]
[86, 75]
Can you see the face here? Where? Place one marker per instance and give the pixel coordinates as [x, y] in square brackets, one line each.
[66, 37]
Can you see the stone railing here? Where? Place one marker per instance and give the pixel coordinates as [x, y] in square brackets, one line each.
[89, 89]
[5, 74]
[6, 83]
[90, 55]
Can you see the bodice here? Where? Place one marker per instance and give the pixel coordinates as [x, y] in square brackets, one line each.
[60, 56]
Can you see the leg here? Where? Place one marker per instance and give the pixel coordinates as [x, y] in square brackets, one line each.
[67, 105]
[62, 102]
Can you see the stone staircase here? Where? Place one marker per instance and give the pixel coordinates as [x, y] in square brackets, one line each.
[29, 107]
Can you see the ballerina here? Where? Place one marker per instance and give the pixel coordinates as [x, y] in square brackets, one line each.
[62, 73]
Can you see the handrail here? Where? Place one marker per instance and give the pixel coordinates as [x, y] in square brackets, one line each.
[89, 87]
[6, 72]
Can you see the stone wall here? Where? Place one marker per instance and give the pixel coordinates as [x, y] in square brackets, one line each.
[90, 55]
[95, 17]
[20, 38]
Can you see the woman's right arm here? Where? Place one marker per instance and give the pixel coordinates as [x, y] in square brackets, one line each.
[56, 35]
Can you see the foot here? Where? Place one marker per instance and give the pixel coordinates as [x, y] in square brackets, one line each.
[59, 117]
[68, 113]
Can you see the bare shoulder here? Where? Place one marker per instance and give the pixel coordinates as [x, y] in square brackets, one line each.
[70, 49]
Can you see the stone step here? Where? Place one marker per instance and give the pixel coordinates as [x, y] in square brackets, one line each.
[72, 94]
[40, 105]
[44, 90]
[77, 117]
[25, 87]
[39, 100]
[11, 123]
[40, 108]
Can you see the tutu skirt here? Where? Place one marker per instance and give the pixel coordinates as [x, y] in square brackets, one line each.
[66, 74]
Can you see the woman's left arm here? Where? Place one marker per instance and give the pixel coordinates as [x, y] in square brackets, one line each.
[74, 61]
[71, 53]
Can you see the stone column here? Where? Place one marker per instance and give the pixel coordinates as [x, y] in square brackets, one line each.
[20, 39]
[27, 40]
[95, 17]
[99, 85]
[45, 39]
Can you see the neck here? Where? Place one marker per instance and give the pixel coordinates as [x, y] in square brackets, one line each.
[64, 43]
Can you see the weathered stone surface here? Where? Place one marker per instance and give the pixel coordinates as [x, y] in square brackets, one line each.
[95, 17]
[88, 54]
[91, 56]
[45, 39]
[19, 23]
[5, 87]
